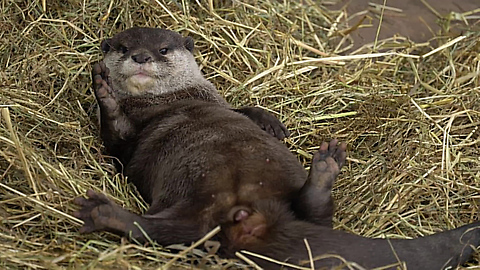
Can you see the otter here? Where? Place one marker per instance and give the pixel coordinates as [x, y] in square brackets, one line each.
[200, 163]
[191, 156]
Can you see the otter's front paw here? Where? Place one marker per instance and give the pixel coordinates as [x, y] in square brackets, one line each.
[100, 214]
[104, 93]
[266, 121]
[327, 162]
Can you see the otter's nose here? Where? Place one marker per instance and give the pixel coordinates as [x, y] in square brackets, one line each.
[142, 58]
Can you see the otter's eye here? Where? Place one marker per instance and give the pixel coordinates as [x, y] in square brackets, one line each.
[163, 51]
[123, 49]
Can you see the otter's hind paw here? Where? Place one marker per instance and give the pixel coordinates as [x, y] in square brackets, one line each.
[327, 162]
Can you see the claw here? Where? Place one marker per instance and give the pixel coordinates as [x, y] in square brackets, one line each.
[97, 196]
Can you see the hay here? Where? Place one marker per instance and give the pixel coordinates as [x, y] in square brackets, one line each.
[411, 122]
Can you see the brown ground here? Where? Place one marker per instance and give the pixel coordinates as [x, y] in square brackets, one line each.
[409, 18]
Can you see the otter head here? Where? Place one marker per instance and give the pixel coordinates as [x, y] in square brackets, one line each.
[150, 60]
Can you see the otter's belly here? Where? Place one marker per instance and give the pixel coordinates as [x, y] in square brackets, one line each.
[214, 157]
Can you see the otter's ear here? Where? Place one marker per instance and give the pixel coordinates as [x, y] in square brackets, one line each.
[106, 45]
[189, 44]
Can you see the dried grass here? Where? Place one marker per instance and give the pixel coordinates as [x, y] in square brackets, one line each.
[411, 122]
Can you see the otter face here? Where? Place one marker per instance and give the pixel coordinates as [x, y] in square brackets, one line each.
[149, 60]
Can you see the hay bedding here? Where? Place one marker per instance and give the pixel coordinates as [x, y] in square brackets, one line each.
[411, 124]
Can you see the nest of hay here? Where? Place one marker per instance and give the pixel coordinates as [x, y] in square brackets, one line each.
[411, 123]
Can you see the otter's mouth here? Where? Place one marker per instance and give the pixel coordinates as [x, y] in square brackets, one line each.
[139, 83]
[141, 74]
[141, 78]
